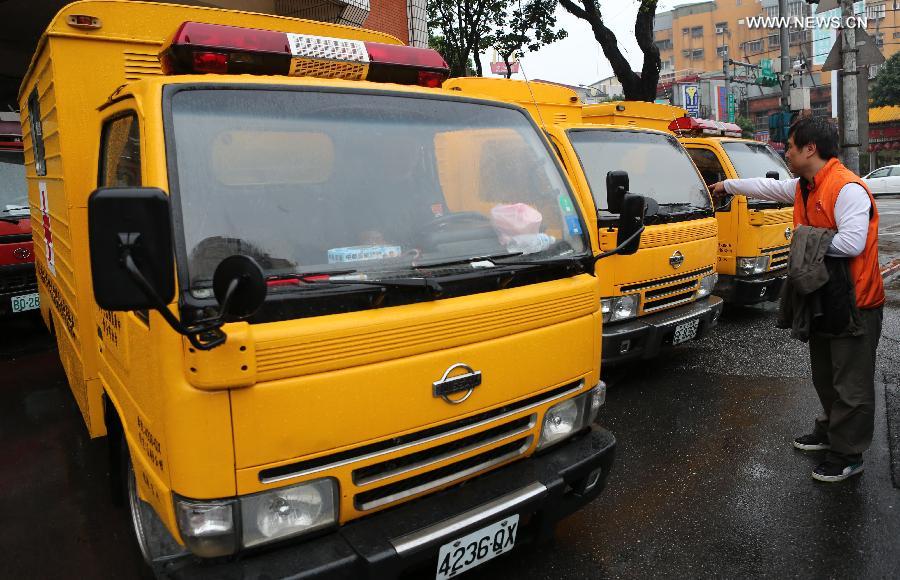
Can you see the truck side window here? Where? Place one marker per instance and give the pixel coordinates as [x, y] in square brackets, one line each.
[709, 165]
[120, 153]
[37, 132]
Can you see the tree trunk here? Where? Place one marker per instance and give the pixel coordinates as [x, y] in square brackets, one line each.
[637, 87]
[508, 66]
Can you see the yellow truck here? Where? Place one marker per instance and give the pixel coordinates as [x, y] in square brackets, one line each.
[660, 295]
[332, 318]
[754, 235]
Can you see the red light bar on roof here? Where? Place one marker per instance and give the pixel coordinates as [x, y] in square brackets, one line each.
[691, 127]
[216, 48]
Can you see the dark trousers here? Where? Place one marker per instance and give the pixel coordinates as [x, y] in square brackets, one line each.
[843, 372]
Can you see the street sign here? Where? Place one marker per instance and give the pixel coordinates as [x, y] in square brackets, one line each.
[731, 107]
[868, 54]
[691, 95]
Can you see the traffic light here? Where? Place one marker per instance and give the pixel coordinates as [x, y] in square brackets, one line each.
[779, 124]
[767, 77]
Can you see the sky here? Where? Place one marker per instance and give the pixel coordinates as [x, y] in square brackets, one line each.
[578, 59]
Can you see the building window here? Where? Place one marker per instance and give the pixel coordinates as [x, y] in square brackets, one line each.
[753, 46]
[665, 44]
[897, 34]
[722, 50]
[698, 53]
[875, 11]
[761, 121]
[685, 30]
[774, 40]
[721, 27]
[795, 9]
[875, 69]
[879, 40]
[697, 32]
[772, 11]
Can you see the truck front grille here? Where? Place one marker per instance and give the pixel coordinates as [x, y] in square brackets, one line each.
[444, 475]
[20, 279]
[391, 470]
[779, 256]
[665, 293]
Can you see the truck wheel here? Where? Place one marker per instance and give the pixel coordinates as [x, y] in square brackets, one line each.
[155, 542]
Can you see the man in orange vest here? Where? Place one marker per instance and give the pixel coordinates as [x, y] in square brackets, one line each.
[828, 195]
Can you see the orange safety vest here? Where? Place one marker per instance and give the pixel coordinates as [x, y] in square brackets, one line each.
[819, 212]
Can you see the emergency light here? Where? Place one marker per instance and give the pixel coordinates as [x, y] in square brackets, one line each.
[691, 127]
[11, 142]
[215, 48]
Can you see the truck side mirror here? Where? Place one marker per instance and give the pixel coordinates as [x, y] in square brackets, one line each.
[616, 189]
[130, 227]
[631, 223]
[239, 286]
[772, 174]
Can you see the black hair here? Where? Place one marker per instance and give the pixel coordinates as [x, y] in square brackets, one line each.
[818, 130]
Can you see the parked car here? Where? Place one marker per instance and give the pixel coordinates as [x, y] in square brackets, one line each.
[18, 285]
[884, 180]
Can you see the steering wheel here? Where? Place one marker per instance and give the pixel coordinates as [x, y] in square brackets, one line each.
[445, 220]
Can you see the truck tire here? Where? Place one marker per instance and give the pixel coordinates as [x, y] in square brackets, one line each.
[156, 544]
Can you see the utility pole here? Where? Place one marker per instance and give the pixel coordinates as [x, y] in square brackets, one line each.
[785, 34]
[728, 96]
[849, 75]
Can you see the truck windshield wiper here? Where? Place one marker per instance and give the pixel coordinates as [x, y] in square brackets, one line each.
[327, 278]
[489, 258]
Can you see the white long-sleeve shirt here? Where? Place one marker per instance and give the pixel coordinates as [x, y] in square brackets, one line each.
[851, 210]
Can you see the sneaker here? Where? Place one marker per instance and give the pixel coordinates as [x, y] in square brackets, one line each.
[832, 472]
[812, 442]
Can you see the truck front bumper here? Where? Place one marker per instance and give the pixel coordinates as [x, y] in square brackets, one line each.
[16, 280]
[750, 289]
[541, 489]
[642, 338]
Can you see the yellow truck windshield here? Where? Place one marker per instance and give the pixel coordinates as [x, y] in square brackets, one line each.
[313, 181]
[755, 160]
[657, 166]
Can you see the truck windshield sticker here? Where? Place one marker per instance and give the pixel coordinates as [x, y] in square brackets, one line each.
[45, 219]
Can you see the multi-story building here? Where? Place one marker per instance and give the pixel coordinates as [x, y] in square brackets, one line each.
[696, 38]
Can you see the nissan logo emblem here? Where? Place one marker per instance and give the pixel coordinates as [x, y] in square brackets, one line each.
[458, 383]
[22, 253]
[676, 259]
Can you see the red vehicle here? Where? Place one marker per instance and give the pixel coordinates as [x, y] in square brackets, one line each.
[18, 285]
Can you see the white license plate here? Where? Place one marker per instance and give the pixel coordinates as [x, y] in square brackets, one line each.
[26, 302]
[478, 547]
[686, 331]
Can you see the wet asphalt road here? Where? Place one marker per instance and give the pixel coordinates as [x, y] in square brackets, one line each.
[889, 230]
[706, 483]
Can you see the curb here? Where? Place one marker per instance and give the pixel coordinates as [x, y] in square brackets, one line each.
[890, 269]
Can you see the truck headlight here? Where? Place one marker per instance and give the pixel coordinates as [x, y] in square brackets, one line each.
[707, 283]
[287, 511]
[751, 266]
[564, 419]
[209, 527]
[619, 307]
